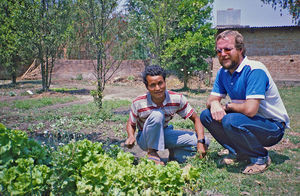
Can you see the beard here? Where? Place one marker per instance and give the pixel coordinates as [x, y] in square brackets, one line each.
[230, 64]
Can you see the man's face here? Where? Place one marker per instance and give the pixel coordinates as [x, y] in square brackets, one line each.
[156, 87]
[229, 56]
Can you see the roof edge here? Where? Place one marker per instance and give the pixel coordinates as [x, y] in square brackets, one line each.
[252, 27]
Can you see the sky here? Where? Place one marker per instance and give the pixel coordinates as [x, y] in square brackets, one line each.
[254, 13]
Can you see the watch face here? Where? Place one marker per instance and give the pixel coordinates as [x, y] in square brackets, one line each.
[202, 141]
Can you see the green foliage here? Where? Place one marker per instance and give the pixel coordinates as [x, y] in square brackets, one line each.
[84, 168]
[192, 43]
[41, 102]
[62, 90]
[177, 34]
[68, 161]
[130, 78]
[15, 144]
[15, 50]
[79, 77]
[151, 23]
[23, 164]
[49, 27]
[100, 174]
[33, 29]
[183, 124]
[98, 96]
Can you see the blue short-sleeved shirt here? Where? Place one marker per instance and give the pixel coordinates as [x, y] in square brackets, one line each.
[252, 80]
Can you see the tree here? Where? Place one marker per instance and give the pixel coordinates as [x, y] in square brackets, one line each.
[49, 25]
[151, 23]
[106, 33]
[192, 42]
[14, 45]
[293, 6]
[177, 34]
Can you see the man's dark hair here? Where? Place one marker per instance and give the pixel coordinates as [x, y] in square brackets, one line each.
[153, 70]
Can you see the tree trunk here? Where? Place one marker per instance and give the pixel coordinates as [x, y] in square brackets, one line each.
[13, 74]
[14, 78]
[185, 77]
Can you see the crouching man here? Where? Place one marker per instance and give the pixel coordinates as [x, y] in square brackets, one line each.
[151, 113]
[256, 117]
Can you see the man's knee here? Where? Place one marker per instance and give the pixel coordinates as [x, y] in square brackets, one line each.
[231, 120]
[156, 117]
[205, 117]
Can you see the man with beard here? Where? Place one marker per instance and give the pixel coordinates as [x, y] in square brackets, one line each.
[255, 118]
[151, 113]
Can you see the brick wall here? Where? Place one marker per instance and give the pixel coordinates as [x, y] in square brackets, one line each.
[271, 41]
[70, 69]
[276, 47]
[281, 68]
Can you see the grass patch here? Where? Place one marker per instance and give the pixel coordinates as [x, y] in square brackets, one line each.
[62, 90]
[279, 179]
[290, 97]
[182, 124]
[81, 117]
[41, 102]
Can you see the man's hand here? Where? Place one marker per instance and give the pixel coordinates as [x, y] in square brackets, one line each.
[130, 141]
[202, 149]
[217, 111]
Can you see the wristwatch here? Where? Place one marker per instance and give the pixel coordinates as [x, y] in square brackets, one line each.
[226, 106]
[202, 141]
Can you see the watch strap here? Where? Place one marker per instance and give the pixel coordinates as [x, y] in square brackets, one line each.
[202, 141]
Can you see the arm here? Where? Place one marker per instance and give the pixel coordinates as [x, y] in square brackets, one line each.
[216, 109]
[201, 148]
[129, 143]
[249, 107]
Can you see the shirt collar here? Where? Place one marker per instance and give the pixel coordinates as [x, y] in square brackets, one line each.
[150, 102]
[241, 66]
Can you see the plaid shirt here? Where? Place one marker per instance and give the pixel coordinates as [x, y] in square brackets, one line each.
[143, 105]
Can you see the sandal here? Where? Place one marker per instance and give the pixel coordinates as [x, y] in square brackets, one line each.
[156, 160]
[227, 161]
[223, 152]
[256, 169]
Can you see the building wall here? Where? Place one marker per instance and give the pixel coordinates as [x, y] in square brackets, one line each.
[271, 41]
[276, 47]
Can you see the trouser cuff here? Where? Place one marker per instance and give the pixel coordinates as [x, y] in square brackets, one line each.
[259, 160]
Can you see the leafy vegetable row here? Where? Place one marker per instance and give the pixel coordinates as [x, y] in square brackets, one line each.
[84, 168]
